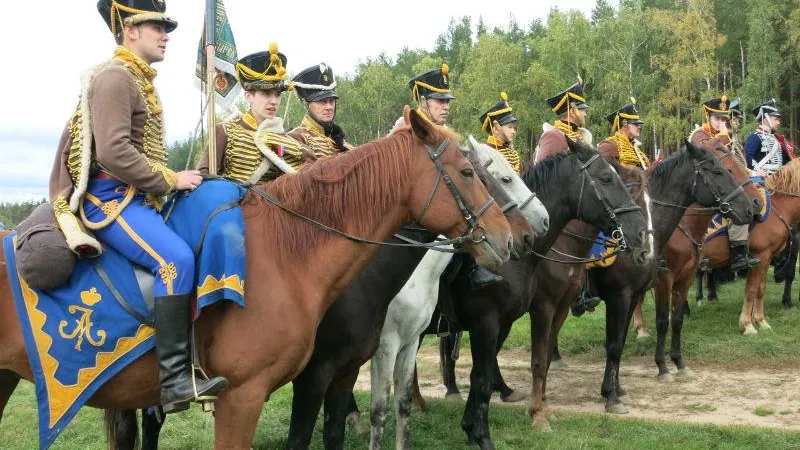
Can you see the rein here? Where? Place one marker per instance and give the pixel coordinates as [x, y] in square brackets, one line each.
[470, 216]
[723, 204]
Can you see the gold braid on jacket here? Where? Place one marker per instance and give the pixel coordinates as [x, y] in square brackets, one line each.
[242, 156]
[629, 155]
[568, 130]
[509, 152]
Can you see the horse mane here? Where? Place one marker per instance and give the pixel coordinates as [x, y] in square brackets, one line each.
[443, 131]
[787, 179]
[346, 192]
[665, 167]
[542, 173]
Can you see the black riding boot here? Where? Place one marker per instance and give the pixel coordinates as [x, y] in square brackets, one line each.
[479, 277]
[740, 256]
[172, 315]
[585, 301]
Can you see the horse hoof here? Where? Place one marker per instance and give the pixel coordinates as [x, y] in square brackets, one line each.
[616, 408]
[764, 326]
[515, 396]
[486, 444]
[750, 330]
[642, 333]
[454, 396]
[666, 378]
[625, 399]
[558, 364]
[541, 423]
[685, 373]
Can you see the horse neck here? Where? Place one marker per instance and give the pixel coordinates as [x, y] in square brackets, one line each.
[695, 221]
[555, 202]
[666, 218]
[788, 206]
[360, 193]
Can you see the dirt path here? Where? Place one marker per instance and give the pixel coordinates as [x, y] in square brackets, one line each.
[752, 397]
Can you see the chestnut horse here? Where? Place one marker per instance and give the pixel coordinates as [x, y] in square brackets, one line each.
[295, 270]
[682, 254]
[767, 239]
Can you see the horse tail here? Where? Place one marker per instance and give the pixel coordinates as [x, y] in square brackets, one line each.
[122, 429]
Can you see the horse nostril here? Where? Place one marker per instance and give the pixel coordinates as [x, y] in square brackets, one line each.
[546, 224]
[642, 235]
[528, 239]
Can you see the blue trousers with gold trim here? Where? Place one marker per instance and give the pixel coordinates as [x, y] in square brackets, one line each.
[139, 234]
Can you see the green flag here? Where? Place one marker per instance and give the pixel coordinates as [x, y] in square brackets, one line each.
[225, 60]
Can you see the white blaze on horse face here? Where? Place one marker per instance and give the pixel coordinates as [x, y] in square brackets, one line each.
[651, 246]
[497, 165]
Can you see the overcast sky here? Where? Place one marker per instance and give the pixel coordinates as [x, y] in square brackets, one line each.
[47, 45]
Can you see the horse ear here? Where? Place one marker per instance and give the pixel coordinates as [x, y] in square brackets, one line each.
[691, 148]
[420, 126]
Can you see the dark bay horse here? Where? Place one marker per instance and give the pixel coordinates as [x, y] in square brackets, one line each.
[350, 330]
[689, 176]
[682, 254]
[596, 196]
[295, 270]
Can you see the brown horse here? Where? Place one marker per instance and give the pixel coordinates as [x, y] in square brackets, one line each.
[295, 270]
[682, 254]
[767, 239]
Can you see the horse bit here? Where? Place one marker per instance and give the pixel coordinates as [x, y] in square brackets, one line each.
[471, 217]
[611, 212]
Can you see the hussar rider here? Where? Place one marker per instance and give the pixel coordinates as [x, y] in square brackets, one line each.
[254, 147]
[316, 87]
[111, 168]
[501, 125]
[623, 145]
[571, 108]
[713, 133]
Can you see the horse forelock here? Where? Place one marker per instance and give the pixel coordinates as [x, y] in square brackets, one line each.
[787, 179]
[349, 191]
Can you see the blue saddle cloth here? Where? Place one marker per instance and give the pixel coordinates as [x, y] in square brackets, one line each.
[719, 225]
[601, 252]
[79, 336]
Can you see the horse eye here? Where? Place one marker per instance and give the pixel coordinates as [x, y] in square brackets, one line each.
[506, 179]
[605, 179]
[467, 173]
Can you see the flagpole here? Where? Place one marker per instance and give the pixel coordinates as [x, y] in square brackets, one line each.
[211, 35]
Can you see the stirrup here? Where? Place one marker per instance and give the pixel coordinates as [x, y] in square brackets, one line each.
[206, 401]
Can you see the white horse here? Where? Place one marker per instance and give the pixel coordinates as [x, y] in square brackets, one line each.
[410, 312]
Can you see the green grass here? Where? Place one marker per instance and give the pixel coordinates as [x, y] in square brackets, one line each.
[764, 411]
[437, 428]
[711, 335]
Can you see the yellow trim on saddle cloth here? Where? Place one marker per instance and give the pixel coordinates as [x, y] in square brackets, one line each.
[509, 152]
[211, 284]
[62, 397]
[608, 261]
[629, 155]
[566, 128]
